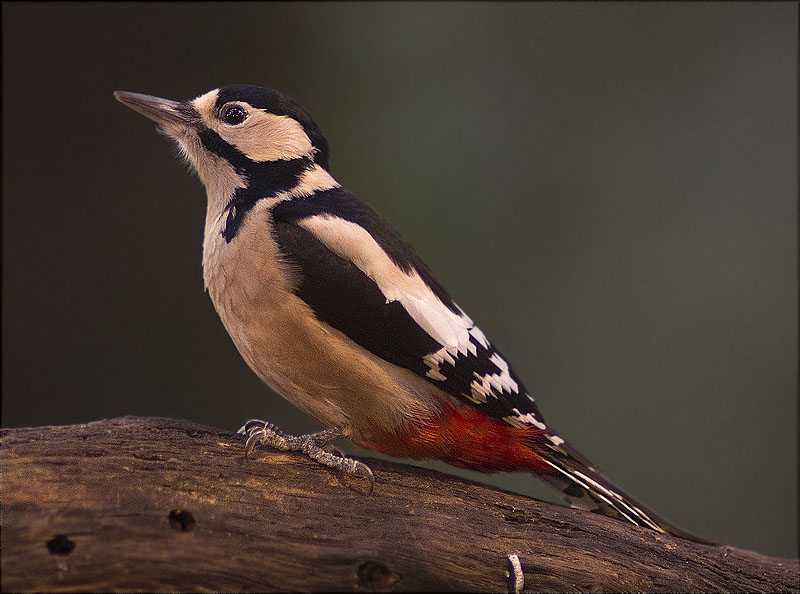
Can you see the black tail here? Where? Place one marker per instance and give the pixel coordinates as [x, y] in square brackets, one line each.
[584, 487]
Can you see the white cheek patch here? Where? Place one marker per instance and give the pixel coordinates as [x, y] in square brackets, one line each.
[267, 137]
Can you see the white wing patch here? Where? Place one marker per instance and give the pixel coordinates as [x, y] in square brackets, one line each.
[354, 243]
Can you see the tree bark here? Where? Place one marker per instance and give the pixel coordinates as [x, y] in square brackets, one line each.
[134, 504]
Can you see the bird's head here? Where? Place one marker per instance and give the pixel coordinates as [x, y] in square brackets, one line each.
[240, 124]
[245, 143]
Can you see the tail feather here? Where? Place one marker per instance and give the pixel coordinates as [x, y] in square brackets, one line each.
[585, 487]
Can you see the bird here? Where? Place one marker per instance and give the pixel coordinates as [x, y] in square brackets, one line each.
[330, 305]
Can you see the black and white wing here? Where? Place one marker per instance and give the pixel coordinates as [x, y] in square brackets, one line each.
[360, 276]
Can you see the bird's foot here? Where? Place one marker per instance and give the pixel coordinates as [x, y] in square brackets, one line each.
[317, 446]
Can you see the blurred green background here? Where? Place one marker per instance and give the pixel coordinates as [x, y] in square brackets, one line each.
[609, 190]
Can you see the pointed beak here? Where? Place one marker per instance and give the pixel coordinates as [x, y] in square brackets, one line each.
[164, 112]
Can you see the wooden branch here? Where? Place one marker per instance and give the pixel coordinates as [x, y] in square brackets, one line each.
[134, 504]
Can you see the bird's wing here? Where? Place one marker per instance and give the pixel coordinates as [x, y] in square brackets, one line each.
[360, 276]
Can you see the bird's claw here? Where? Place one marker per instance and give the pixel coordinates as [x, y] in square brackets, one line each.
[316, 446]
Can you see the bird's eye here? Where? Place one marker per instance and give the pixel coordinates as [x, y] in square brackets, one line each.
[233, 114]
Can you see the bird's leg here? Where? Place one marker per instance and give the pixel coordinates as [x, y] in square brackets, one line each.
[316, 446]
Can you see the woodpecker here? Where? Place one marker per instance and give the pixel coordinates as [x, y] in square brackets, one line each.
[332, 308]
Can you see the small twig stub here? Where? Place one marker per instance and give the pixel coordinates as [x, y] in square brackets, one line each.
[515, 574]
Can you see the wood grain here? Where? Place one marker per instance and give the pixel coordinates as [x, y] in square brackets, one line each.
[151, 504]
